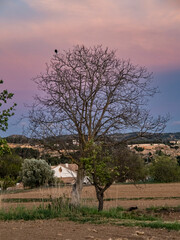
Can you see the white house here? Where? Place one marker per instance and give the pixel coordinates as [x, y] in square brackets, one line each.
[67, 173]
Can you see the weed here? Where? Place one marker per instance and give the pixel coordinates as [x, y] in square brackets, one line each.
[163, 209]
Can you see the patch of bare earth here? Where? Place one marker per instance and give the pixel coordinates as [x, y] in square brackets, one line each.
[55, 229]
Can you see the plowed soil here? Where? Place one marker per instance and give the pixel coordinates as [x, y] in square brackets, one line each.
[54, 229]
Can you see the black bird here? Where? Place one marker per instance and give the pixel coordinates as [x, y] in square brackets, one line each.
[56, 51]
[132, 208]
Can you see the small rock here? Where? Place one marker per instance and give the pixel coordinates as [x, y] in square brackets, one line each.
[139, 233]
[92, 230]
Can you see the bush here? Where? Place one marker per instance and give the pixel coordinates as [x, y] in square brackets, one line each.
[10, 165]
[36, 173]
[178, 160]
[132, 168]
[139, 149]
[7, 182]
[53, 161]
[27, 152]
[165, 169]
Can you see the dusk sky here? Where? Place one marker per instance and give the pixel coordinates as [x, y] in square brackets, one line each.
[145, 31]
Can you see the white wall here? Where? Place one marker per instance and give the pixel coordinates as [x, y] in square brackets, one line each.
[64, 173]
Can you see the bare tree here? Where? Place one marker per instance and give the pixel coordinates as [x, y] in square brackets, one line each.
[91, 93]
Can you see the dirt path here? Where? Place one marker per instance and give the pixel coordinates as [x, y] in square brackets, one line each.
[54, 229]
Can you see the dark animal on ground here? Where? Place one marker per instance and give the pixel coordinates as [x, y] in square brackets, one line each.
[132, 208]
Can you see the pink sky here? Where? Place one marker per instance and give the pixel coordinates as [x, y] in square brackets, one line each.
[146, 31]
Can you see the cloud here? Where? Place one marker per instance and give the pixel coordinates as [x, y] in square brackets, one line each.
[171, 3]
[176, 123]
[18, 10]
[145, 31]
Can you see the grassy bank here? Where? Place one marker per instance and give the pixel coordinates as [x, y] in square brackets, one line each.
[62, 209]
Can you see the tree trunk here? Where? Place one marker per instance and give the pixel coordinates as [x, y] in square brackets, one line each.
[77, 188]
[100, 197]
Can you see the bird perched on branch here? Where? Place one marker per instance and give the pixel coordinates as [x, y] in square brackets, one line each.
[56, 51]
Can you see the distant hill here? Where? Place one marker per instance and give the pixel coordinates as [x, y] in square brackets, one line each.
[17, 139]
[158, 138]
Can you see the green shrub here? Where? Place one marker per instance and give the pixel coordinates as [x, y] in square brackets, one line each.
[36, 173]
[53, 161]
[7, 182]
[178, 160]
[10, 165]
[4, 148]
[165, 169]
[139, 149]
[27, 152]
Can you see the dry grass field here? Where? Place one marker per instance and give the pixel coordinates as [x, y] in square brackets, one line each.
[142, 196]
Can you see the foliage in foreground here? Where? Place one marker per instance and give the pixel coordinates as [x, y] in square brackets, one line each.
[8, 112]
[60, 208]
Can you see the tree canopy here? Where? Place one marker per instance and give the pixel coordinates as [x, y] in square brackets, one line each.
[106, 163]
[5, 113]
[165, 169]
[91, 92]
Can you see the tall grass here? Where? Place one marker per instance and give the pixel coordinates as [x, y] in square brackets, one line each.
[61, 208]
[155, 224]
[163, 209]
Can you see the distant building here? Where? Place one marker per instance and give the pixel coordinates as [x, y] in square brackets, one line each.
[75, 142]
[175, 142]
[67, 173]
